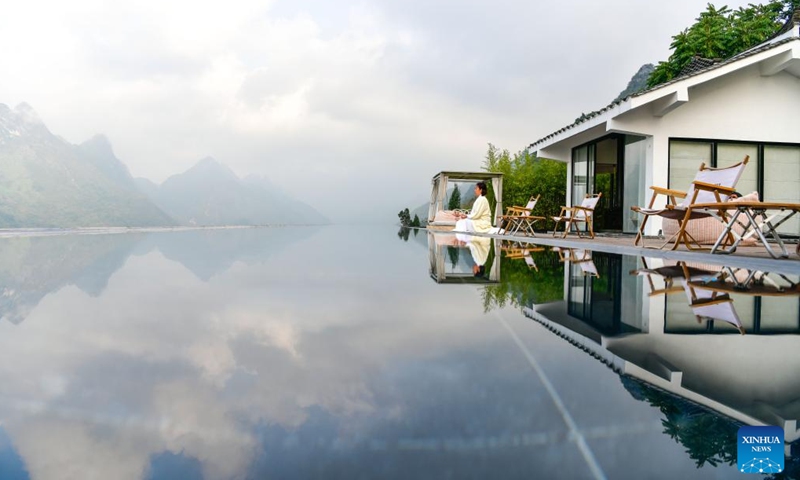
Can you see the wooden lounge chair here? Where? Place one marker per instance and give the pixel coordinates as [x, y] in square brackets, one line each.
[710, 185]
[519, 219]
[584, 213]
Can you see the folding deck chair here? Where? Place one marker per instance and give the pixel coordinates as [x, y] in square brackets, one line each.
[710, 185]
[577, 214]
[519, 219]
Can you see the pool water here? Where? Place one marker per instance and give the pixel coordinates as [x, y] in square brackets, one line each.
[364, 352]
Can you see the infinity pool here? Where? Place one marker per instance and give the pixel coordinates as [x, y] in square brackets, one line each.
[364, 352]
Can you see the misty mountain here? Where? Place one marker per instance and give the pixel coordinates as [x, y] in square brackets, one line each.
[637, 83]
[48, 182]
[210, 193]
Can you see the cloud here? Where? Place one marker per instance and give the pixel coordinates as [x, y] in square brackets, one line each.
[351, 105]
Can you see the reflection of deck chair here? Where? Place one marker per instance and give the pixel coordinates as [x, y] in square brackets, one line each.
[704, 302]
[710, 185]
[519, 252]
[519, 219]
[712, 305]
[752, 282]
[584, 213]
[579, 257]
[669, 273]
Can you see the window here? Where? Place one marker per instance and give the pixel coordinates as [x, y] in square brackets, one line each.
[685, 158]
[773, 170]
[782, 180]
[731, 153]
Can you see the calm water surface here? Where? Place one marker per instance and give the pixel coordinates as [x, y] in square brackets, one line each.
[363, 352]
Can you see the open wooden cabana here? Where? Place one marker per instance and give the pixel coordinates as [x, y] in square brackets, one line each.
[439, 192]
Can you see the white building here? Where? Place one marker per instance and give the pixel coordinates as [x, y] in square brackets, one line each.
[746, 105]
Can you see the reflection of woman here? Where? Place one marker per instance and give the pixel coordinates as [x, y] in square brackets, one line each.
[480, 217]
[479, 248]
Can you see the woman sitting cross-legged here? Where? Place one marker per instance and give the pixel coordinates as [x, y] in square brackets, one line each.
[479, 218]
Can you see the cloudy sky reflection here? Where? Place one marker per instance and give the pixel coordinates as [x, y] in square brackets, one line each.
[311, 353]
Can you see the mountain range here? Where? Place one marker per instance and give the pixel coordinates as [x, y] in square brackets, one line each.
[46, 181]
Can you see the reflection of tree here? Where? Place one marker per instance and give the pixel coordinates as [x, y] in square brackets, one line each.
[452, 253]
[403, 233]
[791, 466]
[520, 286]
[708, 438]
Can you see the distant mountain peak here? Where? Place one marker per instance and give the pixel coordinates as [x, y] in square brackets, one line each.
[99, 140]
[99, 144]
[209, 165]
[27, 114]
[22, 122]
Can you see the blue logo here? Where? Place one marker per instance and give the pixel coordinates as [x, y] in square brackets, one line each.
[760, 450]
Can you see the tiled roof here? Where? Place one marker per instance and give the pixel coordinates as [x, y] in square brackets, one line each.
[713, 66]
[697, 64]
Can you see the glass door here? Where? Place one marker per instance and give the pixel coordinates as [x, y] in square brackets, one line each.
[582, 172]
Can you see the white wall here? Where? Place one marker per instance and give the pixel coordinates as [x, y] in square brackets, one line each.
[742, 105]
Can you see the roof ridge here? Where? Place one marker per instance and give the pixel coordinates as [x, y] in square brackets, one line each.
[753, 51]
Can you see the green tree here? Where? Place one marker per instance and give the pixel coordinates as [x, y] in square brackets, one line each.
[524, 175]
[415, 222]
[405, 218]
[455, 199]
[720, 33]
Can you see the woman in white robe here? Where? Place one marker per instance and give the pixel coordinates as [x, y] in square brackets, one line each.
[480, 217]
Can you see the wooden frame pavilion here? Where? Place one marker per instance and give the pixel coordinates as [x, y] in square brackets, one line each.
[439, 190]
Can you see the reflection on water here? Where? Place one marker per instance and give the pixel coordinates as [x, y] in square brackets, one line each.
[33, 267]
[662, 326]
[330, 353]
[461, 258]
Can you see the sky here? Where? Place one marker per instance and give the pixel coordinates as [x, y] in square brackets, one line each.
[351, 106]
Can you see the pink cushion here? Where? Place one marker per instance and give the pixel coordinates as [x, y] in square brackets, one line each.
[707, 230]
[445, 216]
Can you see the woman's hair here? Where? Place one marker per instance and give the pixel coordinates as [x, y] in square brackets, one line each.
[482, 186]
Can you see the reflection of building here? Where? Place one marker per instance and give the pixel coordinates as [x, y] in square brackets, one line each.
[650, 331]
[454, 258]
